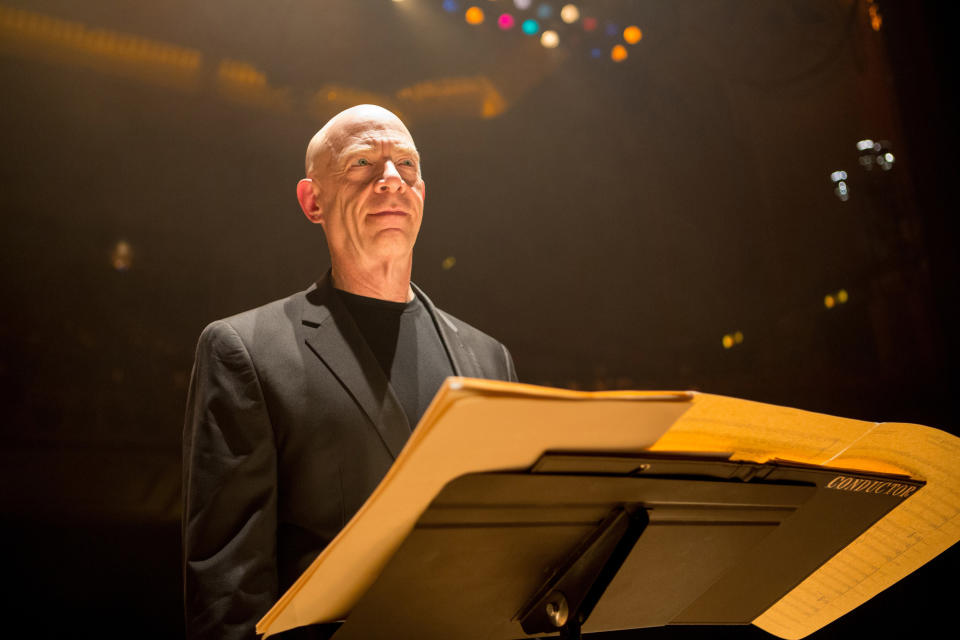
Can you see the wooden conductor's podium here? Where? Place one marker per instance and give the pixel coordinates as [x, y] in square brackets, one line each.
[516, 511]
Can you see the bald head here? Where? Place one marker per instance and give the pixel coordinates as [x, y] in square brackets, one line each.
[326, 143]
[364, 187]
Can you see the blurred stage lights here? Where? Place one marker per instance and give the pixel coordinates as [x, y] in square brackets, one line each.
[840, 190]
[876, 20]
[550, 39]
[877, 153]
[569, 13]
[731, 339]
[121, 258]
[632, 34]
[474, 15]
[833, 299]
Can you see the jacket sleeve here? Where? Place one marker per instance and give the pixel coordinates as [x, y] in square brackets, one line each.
[511, 370]
[229, 492]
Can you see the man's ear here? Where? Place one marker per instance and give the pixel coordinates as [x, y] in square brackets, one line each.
[307, 197]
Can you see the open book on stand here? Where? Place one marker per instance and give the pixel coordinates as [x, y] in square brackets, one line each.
[516, 510]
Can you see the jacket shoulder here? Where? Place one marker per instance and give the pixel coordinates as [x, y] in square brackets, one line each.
[492, 356]
[255, 326]
[468, 333]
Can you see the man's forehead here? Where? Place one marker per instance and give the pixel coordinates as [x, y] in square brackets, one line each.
[375, 135]
[358, 128]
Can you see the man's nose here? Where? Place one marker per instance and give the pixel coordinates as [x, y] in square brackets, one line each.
[390, 180]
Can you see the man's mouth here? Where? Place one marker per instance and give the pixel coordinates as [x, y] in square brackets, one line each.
[388, 212]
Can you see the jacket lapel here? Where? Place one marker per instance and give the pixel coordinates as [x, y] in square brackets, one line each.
[333, 336]
[464, 360]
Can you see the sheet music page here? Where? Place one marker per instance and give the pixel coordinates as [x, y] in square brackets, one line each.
[900, 543]
[908, 537]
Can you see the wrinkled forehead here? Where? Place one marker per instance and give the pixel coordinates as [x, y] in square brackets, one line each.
[355, 131]
[369, 134]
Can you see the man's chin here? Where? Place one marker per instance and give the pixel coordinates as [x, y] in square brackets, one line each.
[390, 244]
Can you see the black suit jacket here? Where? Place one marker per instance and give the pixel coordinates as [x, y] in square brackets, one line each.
[290, 425]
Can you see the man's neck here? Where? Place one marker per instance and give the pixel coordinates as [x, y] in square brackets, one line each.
[384, 282]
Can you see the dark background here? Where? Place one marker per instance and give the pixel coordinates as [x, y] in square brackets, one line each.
[609, 222]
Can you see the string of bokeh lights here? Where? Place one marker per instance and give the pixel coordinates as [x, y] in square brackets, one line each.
[543, 19]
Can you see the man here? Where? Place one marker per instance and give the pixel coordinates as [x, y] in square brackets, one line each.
[297, 409]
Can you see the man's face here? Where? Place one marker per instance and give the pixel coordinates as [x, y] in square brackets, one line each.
[368, 188]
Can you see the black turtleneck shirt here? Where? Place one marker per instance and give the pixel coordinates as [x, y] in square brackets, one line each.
[405, 342]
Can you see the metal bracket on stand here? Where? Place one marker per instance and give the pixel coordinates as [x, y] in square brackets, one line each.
[565, 601]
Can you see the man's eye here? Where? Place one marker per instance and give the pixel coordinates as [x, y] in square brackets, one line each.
[363, 162]
[407, 163]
